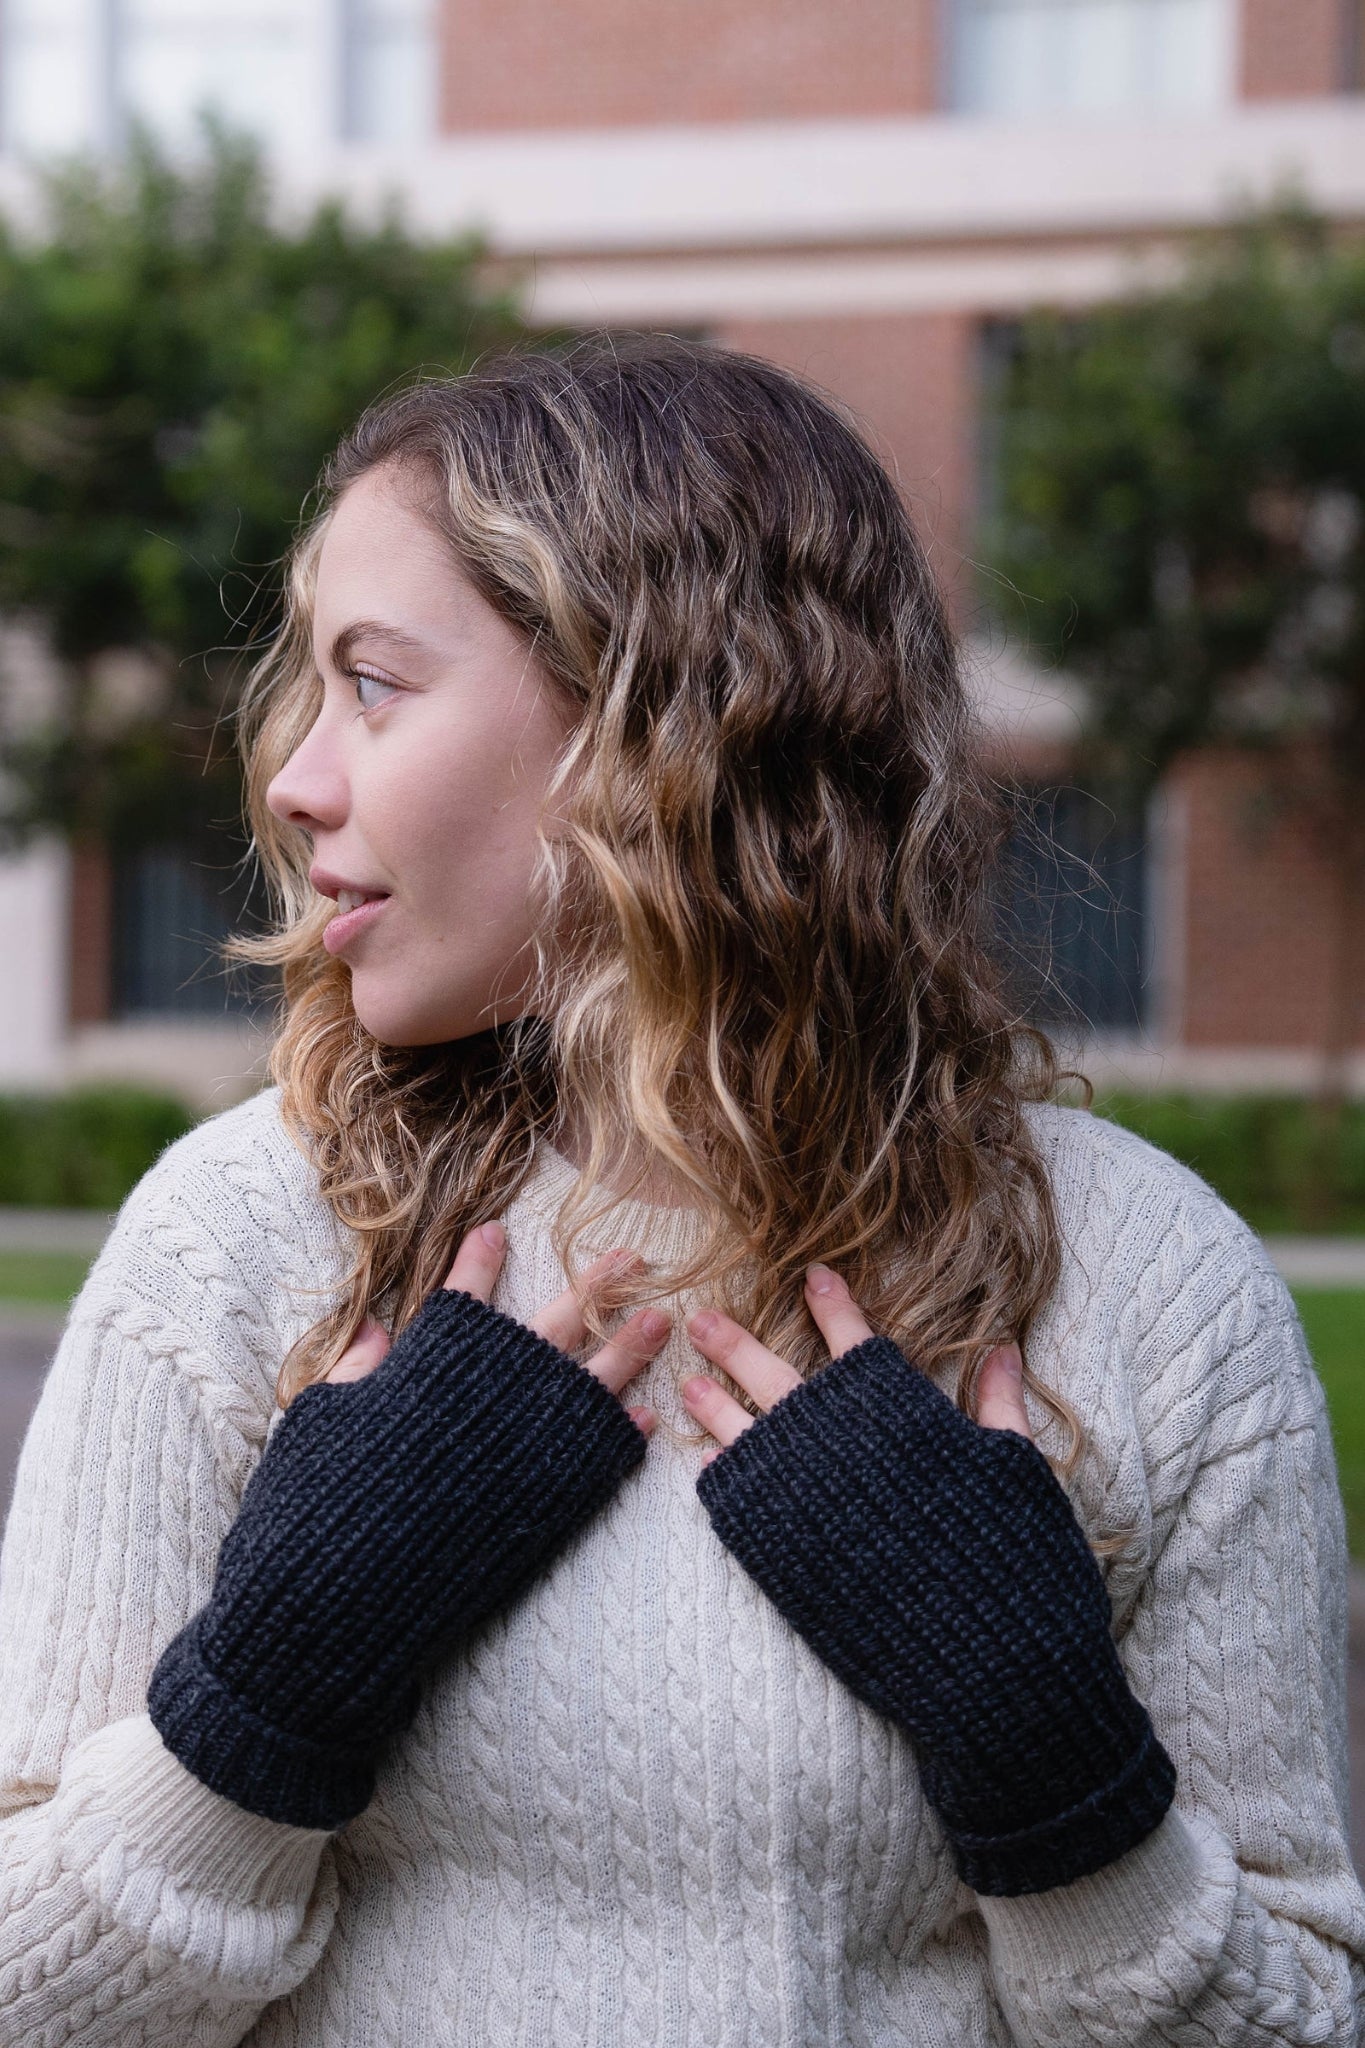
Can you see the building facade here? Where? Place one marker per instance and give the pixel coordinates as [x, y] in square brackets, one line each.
[864, 194]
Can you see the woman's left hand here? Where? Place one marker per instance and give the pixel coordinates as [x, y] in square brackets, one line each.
[842, 1324]
[936, 1564]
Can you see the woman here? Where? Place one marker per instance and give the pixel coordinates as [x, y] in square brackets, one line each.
[372, 1672]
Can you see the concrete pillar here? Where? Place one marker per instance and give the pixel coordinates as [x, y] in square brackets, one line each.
[34, 891]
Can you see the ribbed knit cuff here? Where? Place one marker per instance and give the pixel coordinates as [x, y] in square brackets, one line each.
[1181, 1874]
[168, 1821]
[1096, 1831]
[233, 1751]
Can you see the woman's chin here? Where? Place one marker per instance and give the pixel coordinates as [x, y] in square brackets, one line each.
[392, 1019]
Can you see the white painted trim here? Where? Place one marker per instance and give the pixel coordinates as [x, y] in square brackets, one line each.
[208, 1063]
[35, 887]
[750, 184]
[747, 184]
[1156, 1066]
[758, 287]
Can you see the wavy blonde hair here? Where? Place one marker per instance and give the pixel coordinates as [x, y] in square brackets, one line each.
[775, 848]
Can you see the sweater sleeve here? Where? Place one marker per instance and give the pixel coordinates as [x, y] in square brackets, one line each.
[137, 1906]
[1240, 1919]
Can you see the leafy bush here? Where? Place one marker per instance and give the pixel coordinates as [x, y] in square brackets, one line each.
[84, 1149]
[1280, 1161]
[1274, 1158]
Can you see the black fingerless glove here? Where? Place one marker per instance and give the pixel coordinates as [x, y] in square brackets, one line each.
[387, 1516]
[938, 1568]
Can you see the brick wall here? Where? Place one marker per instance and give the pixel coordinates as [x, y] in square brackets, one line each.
[90, 933]
[1294, 49]
[610, 63]
[1258, 939]
[911, 379]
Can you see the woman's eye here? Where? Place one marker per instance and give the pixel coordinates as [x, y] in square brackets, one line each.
[370, 690]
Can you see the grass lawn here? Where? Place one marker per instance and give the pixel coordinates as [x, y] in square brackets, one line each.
[1334, 1319]
[43, 1277]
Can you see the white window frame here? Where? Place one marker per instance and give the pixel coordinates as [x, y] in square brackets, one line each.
[961, 92]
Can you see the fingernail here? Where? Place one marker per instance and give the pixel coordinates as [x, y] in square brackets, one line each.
[821, 1279]
[693, 1389]
[654, 1325]
[702, 1323]
[494, 1236]
[1008, 1356]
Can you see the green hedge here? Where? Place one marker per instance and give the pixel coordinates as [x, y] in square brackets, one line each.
[1278, 1160]
[1274, 1158]
[84, 1149]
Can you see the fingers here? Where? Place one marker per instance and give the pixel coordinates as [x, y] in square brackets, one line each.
[478, 1262]
[1000, 1391]
[761, 1372]
[757, 1369]
[561, 1321]
[630, 1348]
[718, 1413]
[477, 1265]
[369, 1350]
[838, 1317]
[727, 1344]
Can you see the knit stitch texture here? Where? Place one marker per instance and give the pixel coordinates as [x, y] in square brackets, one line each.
[635, 1806]
[388, 1516]
[937, 1567]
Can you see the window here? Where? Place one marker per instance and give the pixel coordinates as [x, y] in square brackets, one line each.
[1071, 914]
[53, 82]
[389, 79]
[172, 908]
[1026, 57]
[295, 73]
[256, 63]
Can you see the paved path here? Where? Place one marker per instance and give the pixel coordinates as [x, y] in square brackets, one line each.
[1320, 1261]
[27, 1339]
[53, 1230]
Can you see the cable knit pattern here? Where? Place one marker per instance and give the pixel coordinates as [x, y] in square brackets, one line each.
[635, 1805]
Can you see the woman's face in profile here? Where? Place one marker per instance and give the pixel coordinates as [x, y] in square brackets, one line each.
[422, 778]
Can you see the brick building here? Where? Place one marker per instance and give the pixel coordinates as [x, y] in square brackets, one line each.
[865, 193]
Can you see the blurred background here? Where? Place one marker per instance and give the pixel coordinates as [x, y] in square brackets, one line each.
[1092, 275]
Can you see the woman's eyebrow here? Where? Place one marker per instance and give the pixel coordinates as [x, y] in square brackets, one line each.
[373, 629]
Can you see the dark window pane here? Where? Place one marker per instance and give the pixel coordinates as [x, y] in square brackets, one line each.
[173, 906]
[1070, 913]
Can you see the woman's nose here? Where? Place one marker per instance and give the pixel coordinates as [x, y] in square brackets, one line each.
[310, 790]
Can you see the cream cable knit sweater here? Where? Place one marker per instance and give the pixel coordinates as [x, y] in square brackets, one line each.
[637, 1809]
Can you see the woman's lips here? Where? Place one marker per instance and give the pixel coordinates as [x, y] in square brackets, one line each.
[338, 932]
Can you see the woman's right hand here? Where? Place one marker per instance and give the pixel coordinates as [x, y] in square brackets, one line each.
[381, 1525]
[476, 1267]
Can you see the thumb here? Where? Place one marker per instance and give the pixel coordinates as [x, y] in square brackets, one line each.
[361, 1357]
[1000, 1400]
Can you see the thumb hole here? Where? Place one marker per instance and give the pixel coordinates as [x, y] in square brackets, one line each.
[1000, 1402]
[360, 1357]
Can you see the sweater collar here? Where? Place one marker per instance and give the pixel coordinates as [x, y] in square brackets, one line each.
[662, 1231]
